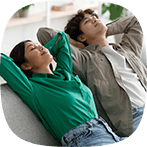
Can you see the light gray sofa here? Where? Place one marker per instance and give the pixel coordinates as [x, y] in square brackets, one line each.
[22, 121]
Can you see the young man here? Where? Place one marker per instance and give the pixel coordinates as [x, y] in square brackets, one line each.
[113, 72]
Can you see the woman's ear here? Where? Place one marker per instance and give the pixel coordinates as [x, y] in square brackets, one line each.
[26, 66]
[81, 38]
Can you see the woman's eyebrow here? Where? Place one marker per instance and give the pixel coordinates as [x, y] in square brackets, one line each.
[29, 46]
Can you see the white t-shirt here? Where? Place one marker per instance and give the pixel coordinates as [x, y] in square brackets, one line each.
[130, 79]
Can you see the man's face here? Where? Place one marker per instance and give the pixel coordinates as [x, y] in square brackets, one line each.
[92, 27]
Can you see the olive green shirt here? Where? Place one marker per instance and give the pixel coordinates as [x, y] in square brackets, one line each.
[104, 79]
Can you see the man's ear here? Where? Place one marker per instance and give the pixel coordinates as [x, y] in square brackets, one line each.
[81, 38]
[26, 66]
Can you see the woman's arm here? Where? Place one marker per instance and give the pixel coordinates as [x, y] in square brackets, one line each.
[11, 73]
[59, 47]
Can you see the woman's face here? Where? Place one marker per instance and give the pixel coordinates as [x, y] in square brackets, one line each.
[36, 55]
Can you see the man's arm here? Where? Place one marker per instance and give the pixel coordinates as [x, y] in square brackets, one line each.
[45, 34]
[77, 44]
[131, 30]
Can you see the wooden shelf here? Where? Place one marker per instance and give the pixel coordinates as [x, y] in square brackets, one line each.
[41, 17]
[30, 19]
[58, 14]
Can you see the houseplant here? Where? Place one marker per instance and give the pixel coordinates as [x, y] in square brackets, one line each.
[116, 11]
[24, 11]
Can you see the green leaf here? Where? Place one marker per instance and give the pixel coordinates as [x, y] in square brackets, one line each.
[104, 8]
[116, 11]
[26, 7]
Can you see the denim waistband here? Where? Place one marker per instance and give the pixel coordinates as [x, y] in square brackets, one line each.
[89, 124]
[77, 130]
[138, 109]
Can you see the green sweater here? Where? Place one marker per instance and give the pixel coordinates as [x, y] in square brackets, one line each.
[61, 101]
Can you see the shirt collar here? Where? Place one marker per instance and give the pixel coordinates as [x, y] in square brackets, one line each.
[43, 75]
[96, 46]
[56, 75]
[93, 47]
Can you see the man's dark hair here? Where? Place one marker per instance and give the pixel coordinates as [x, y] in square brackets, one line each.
[73, 26]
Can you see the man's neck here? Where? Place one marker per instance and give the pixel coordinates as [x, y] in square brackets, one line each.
[102, 41]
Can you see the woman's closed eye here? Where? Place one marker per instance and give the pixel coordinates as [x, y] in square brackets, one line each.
[32, 48]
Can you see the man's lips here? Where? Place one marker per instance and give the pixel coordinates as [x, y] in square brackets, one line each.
[97, 23]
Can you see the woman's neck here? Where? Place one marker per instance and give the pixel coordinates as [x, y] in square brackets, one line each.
[42, 70]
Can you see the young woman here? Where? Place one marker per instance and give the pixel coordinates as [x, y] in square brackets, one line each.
[62, 102]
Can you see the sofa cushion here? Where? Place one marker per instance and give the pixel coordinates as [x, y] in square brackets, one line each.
[22, 121]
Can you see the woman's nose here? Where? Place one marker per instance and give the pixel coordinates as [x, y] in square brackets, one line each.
[40, 47]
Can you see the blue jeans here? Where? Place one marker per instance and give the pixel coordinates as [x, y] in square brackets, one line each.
[137, 116]
[95, 132]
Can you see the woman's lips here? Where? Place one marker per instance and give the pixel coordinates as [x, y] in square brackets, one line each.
[45, 52]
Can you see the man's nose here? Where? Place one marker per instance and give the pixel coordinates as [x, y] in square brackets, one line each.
[93, 19]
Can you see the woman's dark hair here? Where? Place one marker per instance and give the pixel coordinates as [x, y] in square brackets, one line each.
[17, 54]
[73, 26]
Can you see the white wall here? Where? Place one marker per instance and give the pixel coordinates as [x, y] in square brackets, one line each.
[14, 35]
